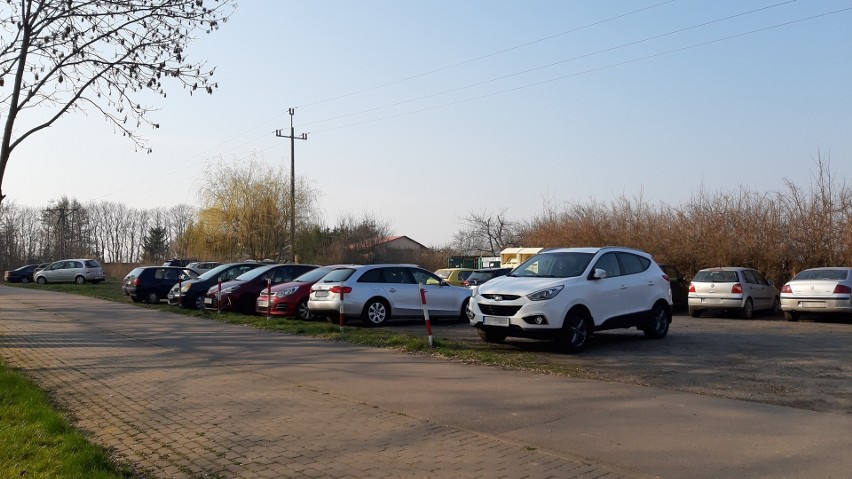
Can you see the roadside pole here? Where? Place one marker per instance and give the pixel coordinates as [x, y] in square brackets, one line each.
[219, 297]
[268, 299]
[180, 292]
[341, 318]
[425, 312]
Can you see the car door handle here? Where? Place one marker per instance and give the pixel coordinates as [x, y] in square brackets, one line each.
[623, 286]
[392, 290]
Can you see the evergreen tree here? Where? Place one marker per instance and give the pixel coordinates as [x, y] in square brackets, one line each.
[155, 245]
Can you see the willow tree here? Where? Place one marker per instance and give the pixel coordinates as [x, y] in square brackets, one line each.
[245, 212]
[58, 56]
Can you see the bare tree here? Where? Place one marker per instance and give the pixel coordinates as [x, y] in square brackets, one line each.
[486, 233]
[57, 56]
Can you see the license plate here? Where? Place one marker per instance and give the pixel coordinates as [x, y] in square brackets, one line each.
[495, 321]
[320, 294]
[813, 304]
[208, 300]
[262, 303]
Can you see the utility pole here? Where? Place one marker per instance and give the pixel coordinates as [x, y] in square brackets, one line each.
[292, 136]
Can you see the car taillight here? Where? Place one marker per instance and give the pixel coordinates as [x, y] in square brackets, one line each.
[666, 277]
[691, 288]
[737, 288]
[466, 283]
[135, 281]
[787, 289]
[842, 289]
[340, 289]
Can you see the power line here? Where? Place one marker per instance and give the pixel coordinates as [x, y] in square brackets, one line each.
[489, 55]
[560, 62]
[593, 70]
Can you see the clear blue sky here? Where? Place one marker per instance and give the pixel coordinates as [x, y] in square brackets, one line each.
[423, 112]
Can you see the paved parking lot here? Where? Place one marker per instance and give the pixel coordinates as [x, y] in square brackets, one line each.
[189, 397]
[805, 364]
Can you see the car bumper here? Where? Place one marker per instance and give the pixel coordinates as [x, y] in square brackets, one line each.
[285, 307]
[816, 304]
[519, 314]
[715, 302]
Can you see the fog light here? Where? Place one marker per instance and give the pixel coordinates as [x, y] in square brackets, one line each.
[537, 320]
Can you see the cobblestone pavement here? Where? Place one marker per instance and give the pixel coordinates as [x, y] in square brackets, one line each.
[191, 409]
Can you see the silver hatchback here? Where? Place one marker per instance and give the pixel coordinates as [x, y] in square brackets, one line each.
[731, 288]
[77, 270]
[376, 292]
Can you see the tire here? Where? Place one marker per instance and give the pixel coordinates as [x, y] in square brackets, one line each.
[80, 280]
[658, 326]
[152, 297]
[135, 299]
[490, 335]
[575, 334]
[776, 305]
[41, 280]
[376, 313]
[748, 310]
[695, 313]
[791, 315]
[25, 280]
[302, 311]
[199, 303]
[463, 313]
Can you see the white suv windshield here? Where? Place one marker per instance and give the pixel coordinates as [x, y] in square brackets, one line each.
[554, 265]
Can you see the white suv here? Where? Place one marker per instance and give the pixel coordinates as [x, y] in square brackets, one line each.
[566, 294]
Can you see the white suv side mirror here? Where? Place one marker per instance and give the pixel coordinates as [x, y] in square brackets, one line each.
[599, 274]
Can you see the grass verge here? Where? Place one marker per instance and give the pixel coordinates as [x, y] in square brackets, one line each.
[38, 442]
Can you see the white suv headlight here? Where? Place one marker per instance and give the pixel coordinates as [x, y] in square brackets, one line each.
[545, 293]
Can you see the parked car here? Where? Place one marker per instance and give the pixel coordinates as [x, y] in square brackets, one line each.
[152, 283]
[290, 300]
[454, 276]
[190, 294]
[240, 294]
[731, 289]
[78, 270]
[818, 291]
[40, 267]
[202, 267]
[566, 294]
[375, 293]
[480, 276]
[24, 274]
[177, 262]
[679, 286]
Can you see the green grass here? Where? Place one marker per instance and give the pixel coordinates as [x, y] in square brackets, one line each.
[38, 442]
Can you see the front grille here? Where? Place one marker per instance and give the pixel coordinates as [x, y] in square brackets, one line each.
[495, 310]
[502, 297]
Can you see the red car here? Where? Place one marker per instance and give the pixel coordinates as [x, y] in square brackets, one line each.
[290, 300]
[241, 293]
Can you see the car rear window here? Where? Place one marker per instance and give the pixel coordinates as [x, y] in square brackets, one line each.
[135, 272]
[827, 274]
[90, 263]
[337, 275]
[715, 277]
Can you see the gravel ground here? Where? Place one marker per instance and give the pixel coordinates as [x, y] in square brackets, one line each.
[806, 364]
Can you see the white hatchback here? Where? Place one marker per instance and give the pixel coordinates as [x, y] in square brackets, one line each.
[566, 294]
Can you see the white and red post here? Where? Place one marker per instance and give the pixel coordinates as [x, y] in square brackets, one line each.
[219, 297]
[341, 317]
[268, 299]
[425, 312]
